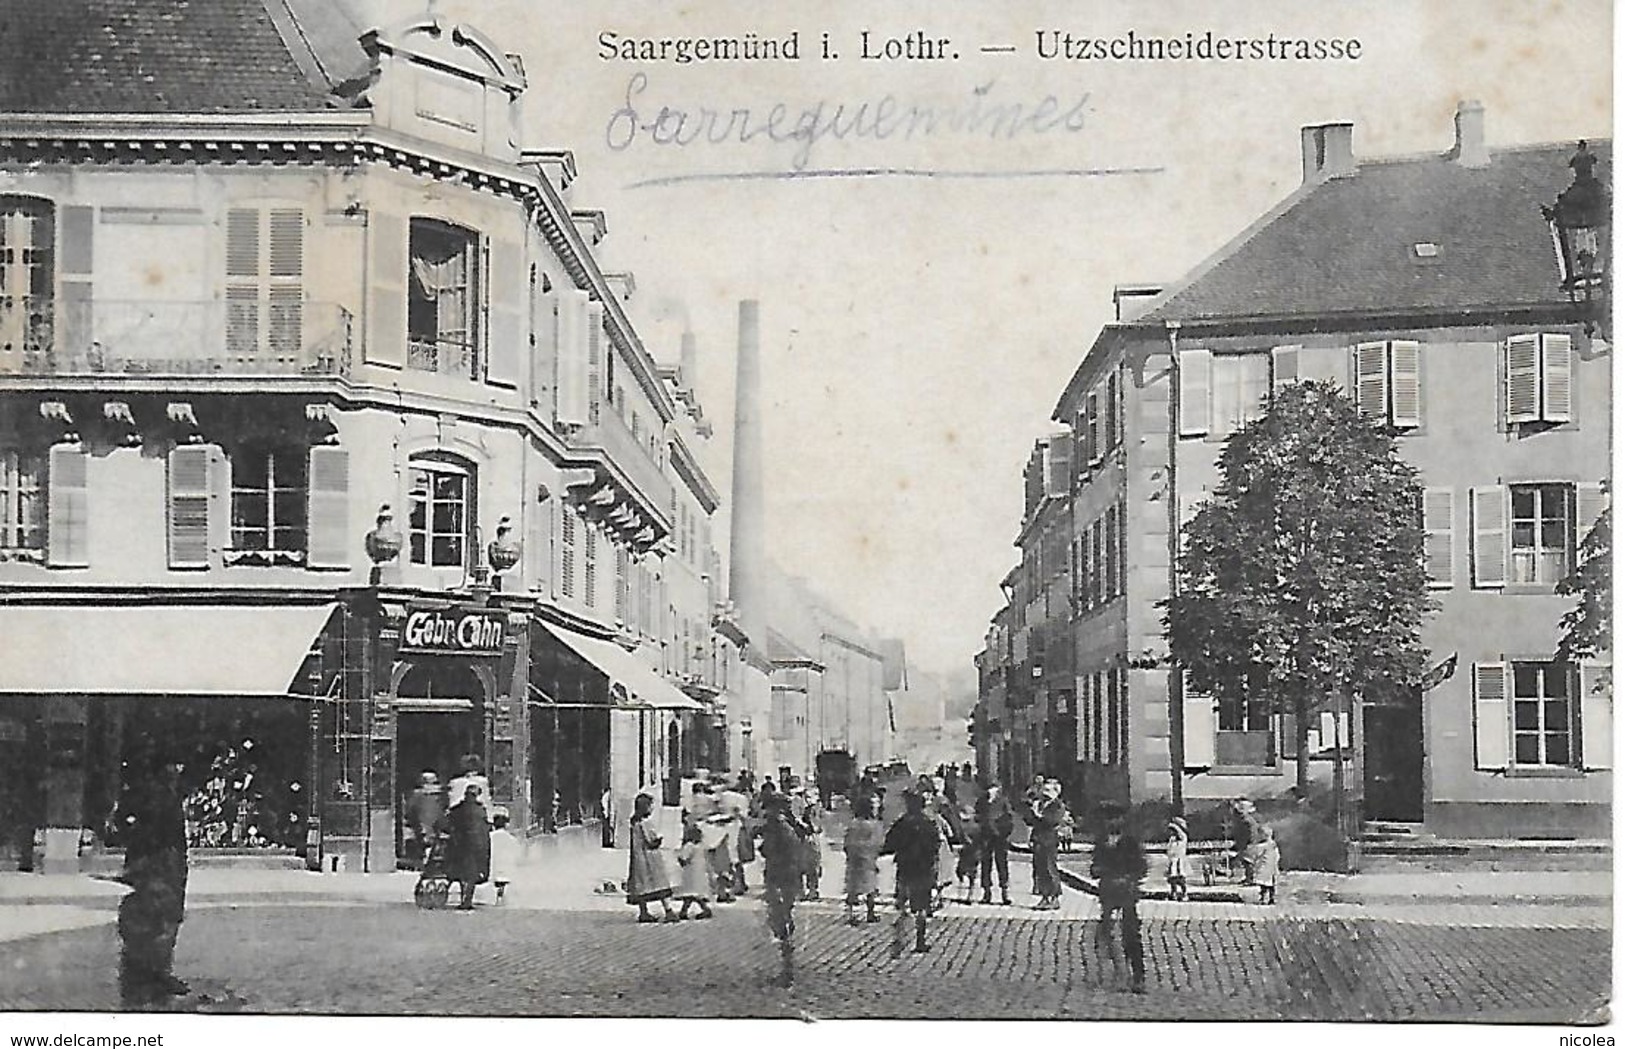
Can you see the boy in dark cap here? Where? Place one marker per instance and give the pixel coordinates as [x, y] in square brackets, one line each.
[913, 841]
[1120, 866]
[782, 855]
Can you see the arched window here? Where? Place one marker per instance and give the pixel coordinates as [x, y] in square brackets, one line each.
[440, 500]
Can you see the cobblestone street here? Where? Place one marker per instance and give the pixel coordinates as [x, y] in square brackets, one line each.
[986, 962]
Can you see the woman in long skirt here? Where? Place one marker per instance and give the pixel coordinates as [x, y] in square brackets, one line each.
[1047, 813]
[863, 840]
[647, 880]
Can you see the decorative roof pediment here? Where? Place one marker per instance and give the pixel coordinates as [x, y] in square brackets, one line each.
[436, 40]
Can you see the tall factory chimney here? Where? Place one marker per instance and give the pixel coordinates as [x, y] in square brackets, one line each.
[747, 540]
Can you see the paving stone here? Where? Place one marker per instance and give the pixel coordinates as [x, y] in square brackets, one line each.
[1208, 963]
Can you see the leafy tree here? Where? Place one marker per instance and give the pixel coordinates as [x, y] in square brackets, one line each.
[1588, 626]
[1302, 580]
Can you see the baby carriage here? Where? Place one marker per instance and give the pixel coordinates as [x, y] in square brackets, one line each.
[434, 886]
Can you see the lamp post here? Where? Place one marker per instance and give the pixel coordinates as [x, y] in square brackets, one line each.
[1580, 221]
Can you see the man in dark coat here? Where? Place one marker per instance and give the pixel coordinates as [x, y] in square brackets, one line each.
[995, 822]
[468, 856]
[152, 827]
[783, 855]
[1119, 865]
[913, 841]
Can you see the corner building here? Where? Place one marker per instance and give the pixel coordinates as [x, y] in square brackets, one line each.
[327, 449]
[1427, 288]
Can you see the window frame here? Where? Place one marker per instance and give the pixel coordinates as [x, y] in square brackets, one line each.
[439, 465]
[1568, 673]
[14, 532]
[1535, 551]
[300, 519]
[429, 353]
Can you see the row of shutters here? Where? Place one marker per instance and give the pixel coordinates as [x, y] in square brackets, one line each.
[1490, 508]
[198, 507]
[1490, 520]
[1386, 380]
[1492, 719]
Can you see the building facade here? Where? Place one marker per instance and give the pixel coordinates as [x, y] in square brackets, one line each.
[311, 386]
[1427, 289]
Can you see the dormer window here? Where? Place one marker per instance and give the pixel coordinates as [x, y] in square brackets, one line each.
[443, 304]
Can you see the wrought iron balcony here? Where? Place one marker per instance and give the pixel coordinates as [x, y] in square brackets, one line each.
[140, 339]
[457, 357]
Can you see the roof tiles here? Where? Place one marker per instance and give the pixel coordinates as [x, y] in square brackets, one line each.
[148, 56]
[1350, 245]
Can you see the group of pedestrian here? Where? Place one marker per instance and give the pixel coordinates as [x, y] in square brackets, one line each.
[722, 823]
[459, 830]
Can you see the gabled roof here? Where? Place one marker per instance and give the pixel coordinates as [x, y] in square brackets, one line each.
[1348, 244]
[782, 651]
[174, 56]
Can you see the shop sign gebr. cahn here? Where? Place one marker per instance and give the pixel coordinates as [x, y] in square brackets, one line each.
[453, 631]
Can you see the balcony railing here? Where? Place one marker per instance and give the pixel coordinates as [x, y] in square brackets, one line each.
[455, 357]
[631, 455]
[103, 337]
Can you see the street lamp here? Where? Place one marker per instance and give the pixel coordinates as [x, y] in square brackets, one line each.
[1579, 221]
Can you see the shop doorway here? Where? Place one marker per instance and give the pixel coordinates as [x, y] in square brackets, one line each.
[439, 719]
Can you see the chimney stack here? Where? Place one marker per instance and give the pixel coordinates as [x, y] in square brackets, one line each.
[1470, 151]
[747, 540]
[1328, 151]
[687, 362]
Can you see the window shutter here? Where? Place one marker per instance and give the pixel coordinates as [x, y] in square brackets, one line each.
[572, 393]
[1201, 727]
[567, 551]
[1439, 543]
[542, 353]
[386, 289]
[1371, 379]
[1589, 501]
[1092, 441]
[1556, 380]
[328, 504]
[1109, 416]
[1195, 379]
[596, 366]
[1596, 716]
[507, 287]
[190, 496]
[244, 322]
[1405, 370]
[1523, 379]
[285, 284]
[68, 508]
[1489, 505]
[75, 328]
[1492, 728]
[1283, 366]
[1057, 469]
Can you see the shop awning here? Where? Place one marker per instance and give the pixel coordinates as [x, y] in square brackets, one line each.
[621, 667]
[175, 650]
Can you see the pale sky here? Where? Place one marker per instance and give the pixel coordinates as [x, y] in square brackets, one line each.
[916, 332]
